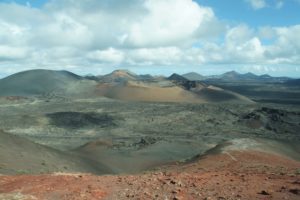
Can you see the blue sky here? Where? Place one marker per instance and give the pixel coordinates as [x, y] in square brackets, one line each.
[151, 36]
[237, 11]
[33, 3]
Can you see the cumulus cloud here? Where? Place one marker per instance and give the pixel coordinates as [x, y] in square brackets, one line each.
[109, 55]
[244, 45]
[168, 22]
[12, 53]
[286, 47]
[90, 35]
[130, 24]
[106, 31]
[152, 56]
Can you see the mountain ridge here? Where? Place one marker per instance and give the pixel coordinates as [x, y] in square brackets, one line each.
[234, 76]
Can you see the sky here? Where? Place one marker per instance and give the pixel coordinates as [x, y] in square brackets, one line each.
[158, 37]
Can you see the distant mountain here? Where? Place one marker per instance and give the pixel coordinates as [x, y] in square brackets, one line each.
[186, 83]
[249, 75]
[177, 78]
[34, 82]
[231, 75]
[193, 76]
[235, 76]
[119, 76]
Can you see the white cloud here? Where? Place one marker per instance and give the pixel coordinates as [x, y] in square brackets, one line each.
[12, 53]
[110, 55]
[63, 30]
[244, 45]
[286, 48]
[266, 33]
[279, 4]
[92, 34]
[156, 56]
[238, 34]
[136, 23]
[257, 4]
[168, 22]
[104, 31]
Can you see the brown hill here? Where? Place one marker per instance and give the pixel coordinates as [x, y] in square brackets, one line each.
[154, 92]
[118, 76]
[135, 91]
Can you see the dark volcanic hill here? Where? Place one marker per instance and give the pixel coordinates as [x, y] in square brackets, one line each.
[231, 75]
[36, 82]
[177, 78]
[193, 76]
[184, 82]
[19, 155]
[235, 76]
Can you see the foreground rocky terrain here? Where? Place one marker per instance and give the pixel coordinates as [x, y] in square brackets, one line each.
[218, 166]
[229, 175]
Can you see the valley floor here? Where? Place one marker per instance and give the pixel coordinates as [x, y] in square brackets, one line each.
[63, 148]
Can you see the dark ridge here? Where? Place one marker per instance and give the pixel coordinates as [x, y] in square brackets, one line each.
[177, 77]
[193, 76]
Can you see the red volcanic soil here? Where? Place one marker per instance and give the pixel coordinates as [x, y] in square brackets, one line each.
[232, 175]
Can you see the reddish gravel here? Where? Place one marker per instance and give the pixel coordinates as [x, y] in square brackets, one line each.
[234, 175]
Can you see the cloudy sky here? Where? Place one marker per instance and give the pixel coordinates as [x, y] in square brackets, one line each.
[151, 36]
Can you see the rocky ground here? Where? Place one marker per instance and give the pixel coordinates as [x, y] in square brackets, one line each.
[229, 175]
[185, 146]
